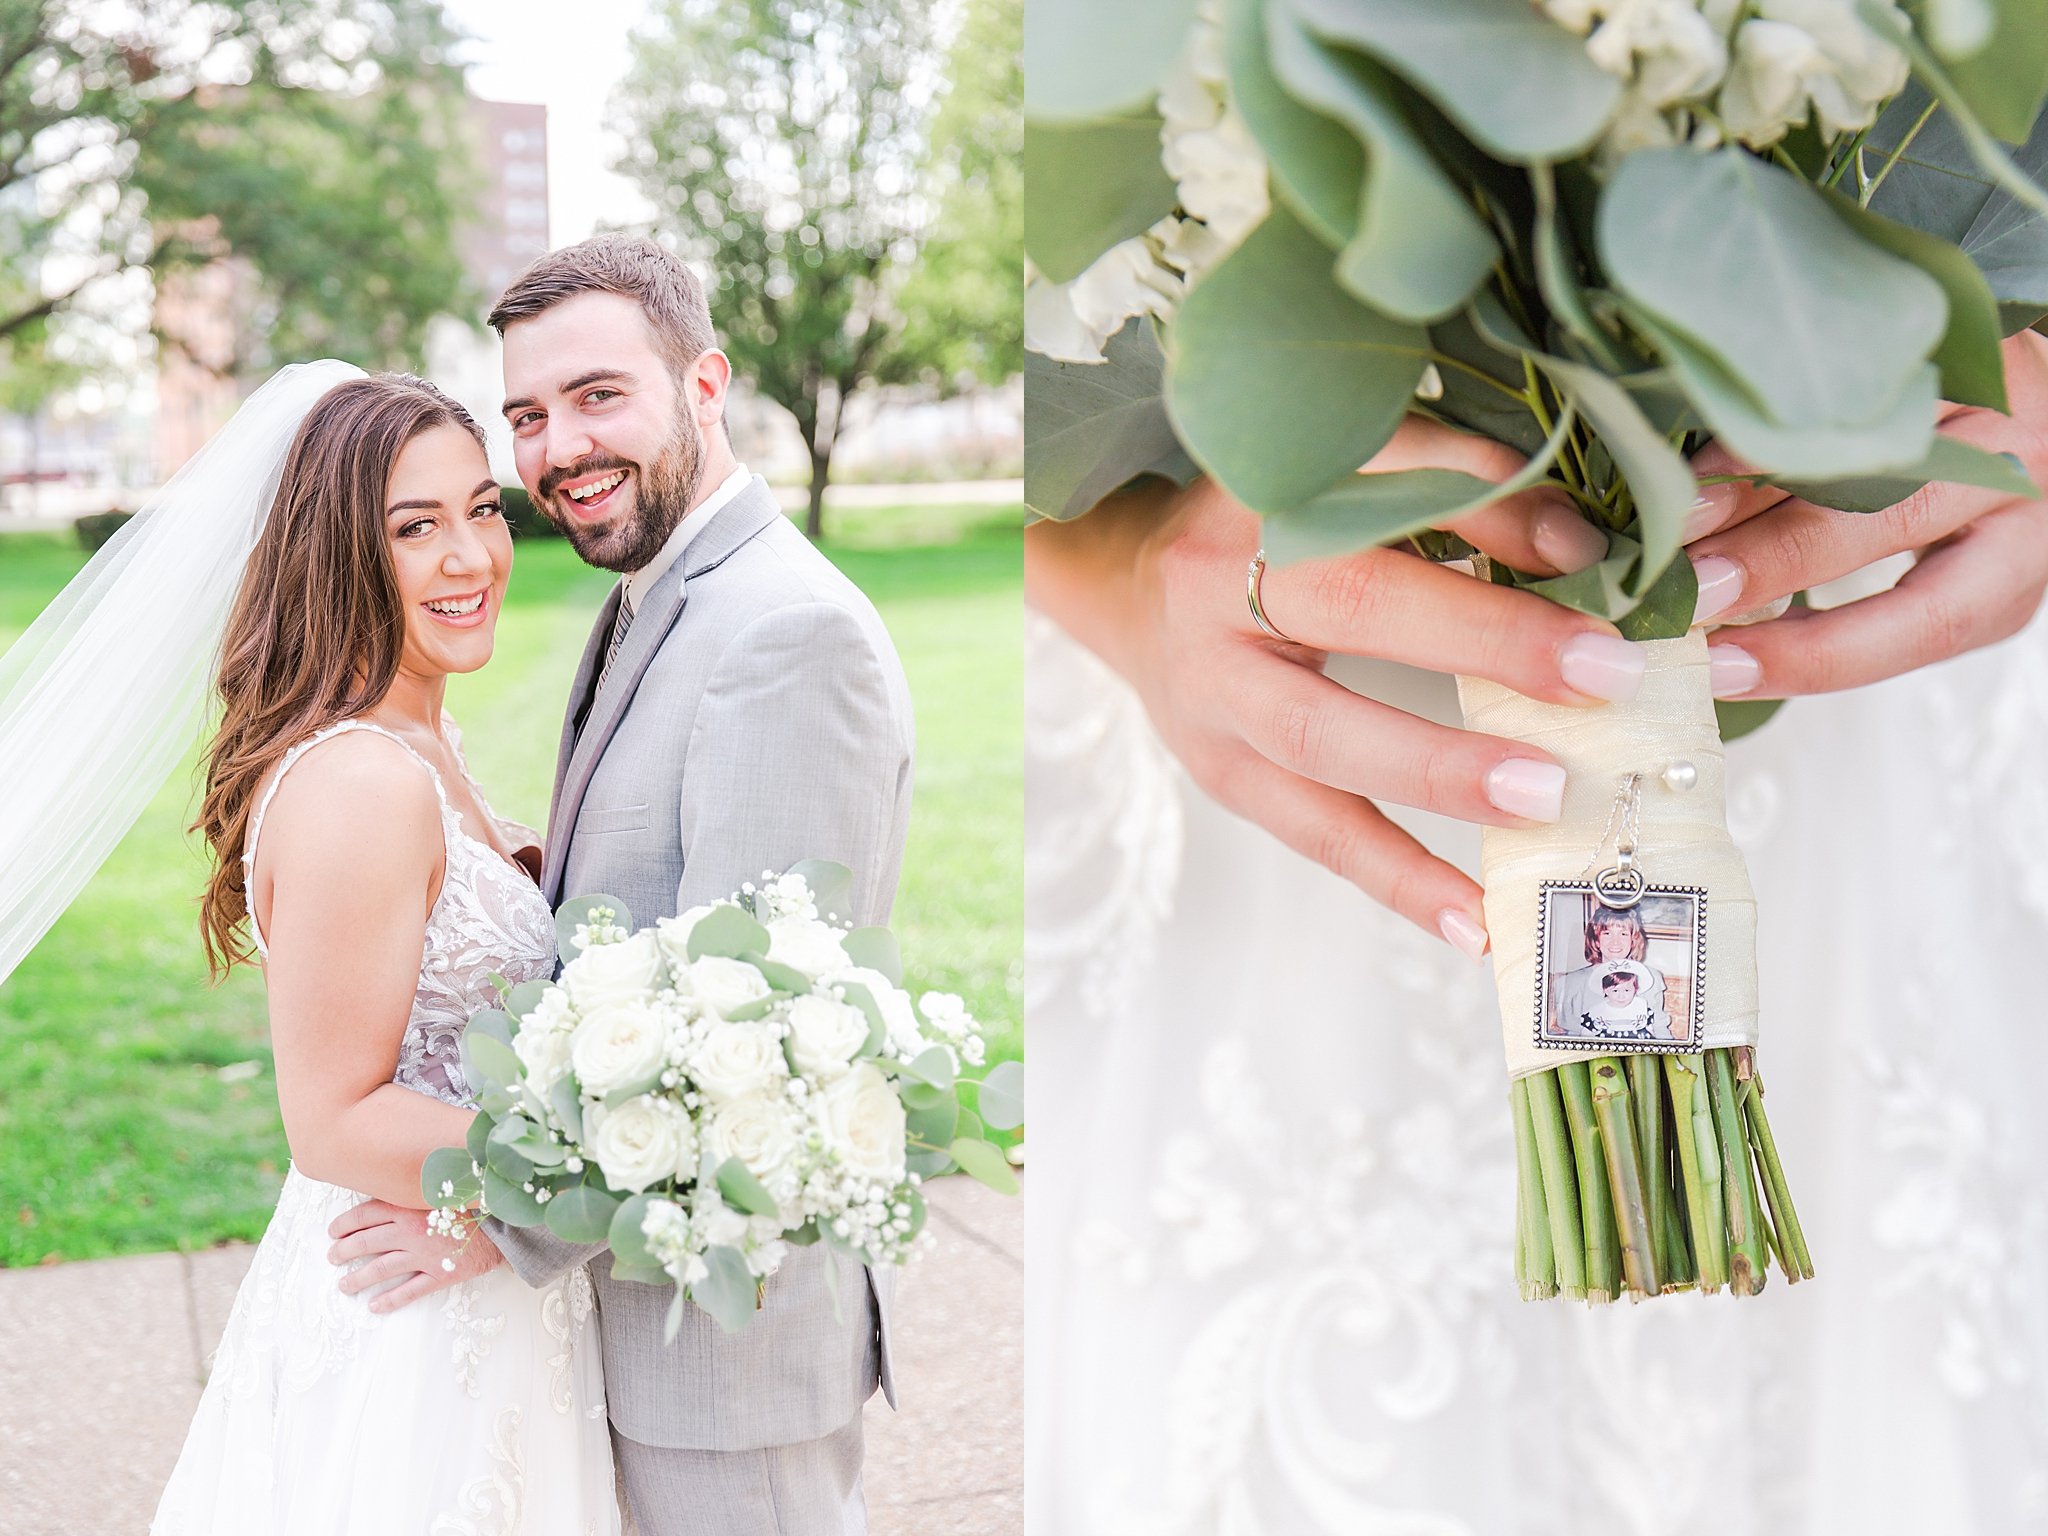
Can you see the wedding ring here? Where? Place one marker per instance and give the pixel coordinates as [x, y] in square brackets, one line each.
[1251, 592]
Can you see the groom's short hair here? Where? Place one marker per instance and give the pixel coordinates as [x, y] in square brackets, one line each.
[650, 274]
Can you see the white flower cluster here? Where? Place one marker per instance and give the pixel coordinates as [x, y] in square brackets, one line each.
[678, 1065]
[1706, 71]
[1221, 175]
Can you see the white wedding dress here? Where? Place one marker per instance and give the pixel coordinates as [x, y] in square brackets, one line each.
[1271, 1289]
[478, 1411]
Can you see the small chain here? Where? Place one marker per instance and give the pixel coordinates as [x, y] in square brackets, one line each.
[1623, 815]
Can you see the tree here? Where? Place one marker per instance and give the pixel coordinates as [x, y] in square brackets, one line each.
[963, 304]
[784, 146]
[313, 139]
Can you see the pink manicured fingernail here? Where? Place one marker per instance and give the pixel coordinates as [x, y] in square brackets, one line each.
[1602, 666]
[1461, 933]
[1524, 787]
[1714, 506]
[1733, 670]
[1567, 540]
[1720, 587]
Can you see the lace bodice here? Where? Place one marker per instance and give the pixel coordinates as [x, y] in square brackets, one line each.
[488, 920]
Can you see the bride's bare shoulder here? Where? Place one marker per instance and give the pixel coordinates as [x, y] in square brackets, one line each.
[359, 794]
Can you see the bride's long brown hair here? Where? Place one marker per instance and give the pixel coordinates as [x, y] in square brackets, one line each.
[317, 627]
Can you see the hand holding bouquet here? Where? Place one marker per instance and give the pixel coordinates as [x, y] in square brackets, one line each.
[1606, 233]
[708, 1092]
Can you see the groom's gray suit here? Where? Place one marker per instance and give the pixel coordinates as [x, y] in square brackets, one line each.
[755, 714]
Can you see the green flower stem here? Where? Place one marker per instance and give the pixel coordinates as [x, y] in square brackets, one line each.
[1596, 1201]
[1699, 1162]
[1539, 1273]
[1748, 1263]
[1646, 1093]
[1792, 1254]
[1560, 1189]
[1624, 1174]
[1870, 189]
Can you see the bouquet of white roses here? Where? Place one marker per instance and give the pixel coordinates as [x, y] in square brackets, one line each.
[1262, 232]
[705, 1093]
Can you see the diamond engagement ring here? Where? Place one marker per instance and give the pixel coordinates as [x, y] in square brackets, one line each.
[1251, 593]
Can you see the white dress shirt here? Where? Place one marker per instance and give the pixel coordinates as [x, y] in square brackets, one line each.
[642, 581]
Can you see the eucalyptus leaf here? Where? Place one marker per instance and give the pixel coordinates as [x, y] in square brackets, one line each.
[491, 1022]
[1485, 394]
[582, 1214]
[1738, 717]
[985, 1164]
[1002, 1096]
[1601, 589]
[565, 1098]
[727, 932]
[934, 1123]
[917, 1095]
[1951, 462]
[783, 978]
[1660, 482]
[831, 886]
[1972, 368]
[876, 949]
[525, 997]
[1990, 155]
[1519, 85]
[1937, 187]
[1090, 185]
[624, 1237]
[1086, 59]
[452, 1166]
[1383, 507]
[929, 1163]
[1748, 262]
[1665, 611]
[512, 1167]
[860, 997]
[933, 1066]
[1557, 273]
[1090, 428]
[1416, 250]
[487, 1060]
[1896, 440]
[1316, 167]
[505, 1199]
[1278, 381]
[728, 1292]
[478, 1140]
[576, 912]
[2006, 80]
[746, 1194]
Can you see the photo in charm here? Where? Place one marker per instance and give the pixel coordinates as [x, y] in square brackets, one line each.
[1620, 977]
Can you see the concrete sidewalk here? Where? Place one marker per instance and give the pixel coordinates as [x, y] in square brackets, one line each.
[101, 1366]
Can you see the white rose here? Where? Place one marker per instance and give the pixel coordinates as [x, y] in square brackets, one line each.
[735, 1060]
[616, 1045]
[806, 944]
[824, 1036]
[756, 1130]
[863, 1121]
[644, 1141]
[544, 1052]
[673, 935]
[722, 986]
[609, 973]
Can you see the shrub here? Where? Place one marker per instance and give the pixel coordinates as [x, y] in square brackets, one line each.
[95, 528]
[520, 516]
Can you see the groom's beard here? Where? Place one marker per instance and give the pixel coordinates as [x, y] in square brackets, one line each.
[662, 492]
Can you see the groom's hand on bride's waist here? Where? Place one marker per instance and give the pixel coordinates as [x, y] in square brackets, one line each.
[399, 1255]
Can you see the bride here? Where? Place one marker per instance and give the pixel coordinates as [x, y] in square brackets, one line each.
[348, 529]
[1272, 1284]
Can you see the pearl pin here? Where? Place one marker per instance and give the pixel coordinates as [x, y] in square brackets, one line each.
[1680, 776]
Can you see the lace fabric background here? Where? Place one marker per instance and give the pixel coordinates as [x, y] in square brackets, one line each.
[1271, 1289]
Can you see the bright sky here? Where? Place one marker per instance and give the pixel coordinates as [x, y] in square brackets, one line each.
[570, 59]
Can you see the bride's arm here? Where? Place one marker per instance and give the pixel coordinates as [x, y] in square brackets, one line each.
[350, 859]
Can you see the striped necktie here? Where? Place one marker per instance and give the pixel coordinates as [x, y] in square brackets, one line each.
[619, 628]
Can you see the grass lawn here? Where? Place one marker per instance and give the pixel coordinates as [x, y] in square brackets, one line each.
[137, 1110]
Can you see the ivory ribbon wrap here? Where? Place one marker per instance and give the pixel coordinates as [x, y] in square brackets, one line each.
[1682, 836]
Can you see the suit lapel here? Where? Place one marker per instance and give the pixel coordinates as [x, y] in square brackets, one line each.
[579, 706]
[754, 509]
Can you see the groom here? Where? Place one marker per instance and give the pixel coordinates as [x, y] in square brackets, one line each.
[738, 707]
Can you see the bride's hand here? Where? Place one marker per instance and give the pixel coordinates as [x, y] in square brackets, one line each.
[1979, 577]
[1154, 583]
[397, 1246]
